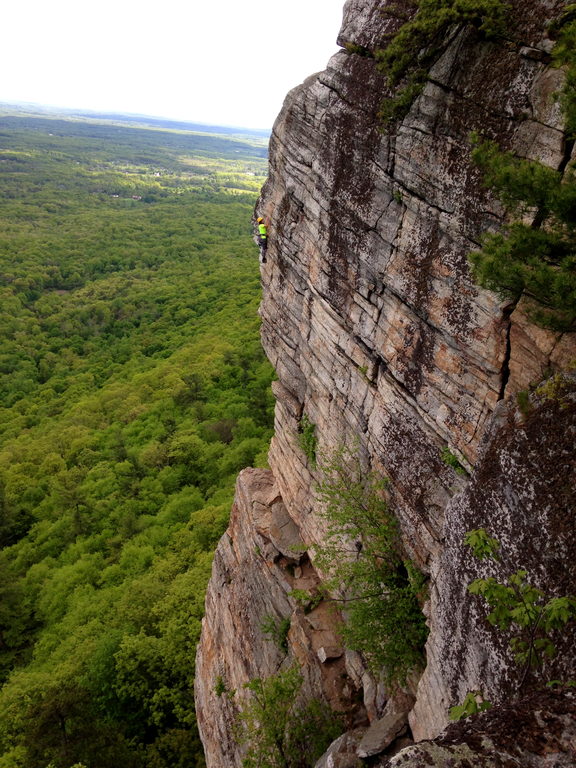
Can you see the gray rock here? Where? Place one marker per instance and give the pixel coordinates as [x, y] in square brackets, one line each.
[252, 577]
[391, 726]
[537, 732]
[327, 653]
[342, 752]
[381, 734]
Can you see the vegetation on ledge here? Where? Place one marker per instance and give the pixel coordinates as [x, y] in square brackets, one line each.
[535, 254]
[381, 589]
[418, 43]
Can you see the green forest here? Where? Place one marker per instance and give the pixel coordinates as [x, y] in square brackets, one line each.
[133, 389]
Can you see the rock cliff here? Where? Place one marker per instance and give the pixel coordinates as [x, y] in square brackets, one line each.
[382, 341]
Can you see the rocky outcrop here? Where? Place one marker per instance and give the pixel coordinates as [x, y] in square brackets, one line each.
[259, 561]
[523, 492]
[382, 340]
[537, 731]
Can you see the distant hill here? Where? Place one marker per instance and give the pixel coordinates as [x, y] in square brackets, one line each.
[134, 119]
[148, 142]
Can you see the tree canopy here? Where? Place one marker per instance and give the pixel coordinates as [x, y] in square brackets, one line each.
[134, 389]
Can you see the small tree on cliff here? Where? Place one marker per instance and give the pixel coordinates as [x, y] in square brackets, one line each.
[278, 729]
[532, 619]
[363, 556]
[529, 615]
[535, 254]
[537, 259]
[421, 39]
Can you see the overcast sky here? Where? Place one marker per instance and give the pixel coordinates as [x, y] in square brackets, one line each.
[207, 60]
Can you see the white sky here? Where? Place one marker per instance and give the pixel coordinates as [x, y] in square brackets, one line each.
[217, 61]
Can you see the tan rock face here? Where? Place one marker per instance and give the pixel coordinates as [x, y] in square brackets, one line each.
[381, 338]
[369, 315]
[257, 564]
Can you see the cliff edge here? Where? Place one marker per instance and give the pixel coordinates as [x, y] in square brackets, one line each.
[382, 342]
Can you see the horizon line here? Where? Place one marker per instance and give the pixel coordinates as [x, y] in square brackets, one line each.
[111, 113]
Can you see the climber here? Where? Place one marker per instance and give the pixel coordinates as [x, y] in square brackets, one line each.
[262, 238]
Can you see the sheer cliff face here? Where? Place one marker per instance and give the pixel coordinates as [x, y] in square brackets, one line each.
[369, 314]
[380, 337]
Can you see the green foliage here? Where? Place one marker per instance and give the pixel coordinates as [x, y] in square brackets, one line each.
[452, 461]
[393, 110]
[307, 439]
[566, 684]
[428, 26]
[220, 686]
[133, 388]
[523, 401]
[308, 599]
[518, 607]
[473, 703]
[420, 39]
[280, 730]
[360, 50]
[564, 54]
[363, 557]
[277, 631]
[482, 545]
[557, 389]
[537, 259]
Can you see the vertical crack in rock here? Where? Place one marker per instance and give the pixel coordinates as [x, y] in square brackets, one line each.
[568, 152]
[505, 370]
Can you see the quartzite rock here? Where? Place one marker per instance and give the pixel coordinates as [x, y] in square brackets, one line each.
[523, 493]
[391, 726]
[380, 337]
[256, 566]
[537, 732]
[370, 315]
